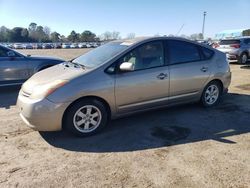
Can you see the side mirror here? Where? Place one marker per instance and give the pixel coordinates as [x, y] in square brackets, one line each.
[127, 67]
[11, 54]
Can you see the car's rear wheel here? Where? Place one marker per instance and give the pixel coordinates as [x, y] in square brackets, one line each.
[86, 117]
[211, 94]
[243, 58]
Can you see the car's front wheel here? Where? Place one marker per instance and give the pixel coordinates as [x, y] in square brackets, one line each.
[211, 94]
[86, 117]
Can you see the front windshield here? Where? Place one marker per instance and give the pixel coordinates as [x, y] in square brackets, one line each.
[100, 55]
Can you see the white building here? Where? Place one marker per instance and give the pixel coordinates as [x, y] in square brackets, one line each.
[234, 33]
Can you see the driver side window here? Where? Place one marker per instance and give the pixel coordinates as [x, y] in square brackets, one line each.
[147, 56]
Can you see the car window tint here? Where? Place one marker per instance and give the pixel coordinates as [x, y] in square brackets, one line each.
[146, 56]
[207, 53]
[3, 52]
[181, 52]
[247, 41]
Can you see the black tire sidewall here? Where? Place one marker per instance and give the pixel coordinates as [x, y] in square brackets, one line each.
[241, 56]
[69, 116]
[203, 101]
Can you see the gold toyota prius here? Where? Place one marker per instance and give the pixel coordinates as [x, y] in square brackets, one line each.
[120, 78]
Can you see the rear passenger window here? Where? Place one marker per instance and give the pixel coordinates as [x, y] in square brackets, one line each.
[207, 53]
[182, 52]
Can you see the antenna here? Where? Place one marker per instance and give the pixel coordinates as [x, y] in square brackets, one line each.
[180, 29]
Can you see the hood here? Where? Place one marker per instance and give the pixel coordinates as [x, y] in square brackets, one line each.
[36, 57]
[64, 71]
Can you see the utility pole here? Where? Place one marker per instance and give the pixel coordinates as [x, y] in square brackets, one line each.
[203, 26]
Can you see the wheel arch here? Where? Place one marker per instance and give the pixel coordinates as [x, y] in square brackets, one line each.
[93, 97]
[219, 82]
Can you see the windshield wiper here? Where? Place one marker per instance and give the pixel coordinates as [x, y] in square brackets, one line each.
[78, 64]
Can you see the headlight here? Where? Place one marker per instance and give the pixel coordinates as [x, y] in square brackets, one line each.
[42, 91]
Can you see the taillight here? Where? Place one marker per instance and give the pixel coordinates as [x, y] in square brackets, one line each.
[235, 45]
[216, 45]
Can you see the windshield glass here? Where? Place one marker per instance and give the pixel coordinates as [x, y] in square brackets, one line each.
[101, 54]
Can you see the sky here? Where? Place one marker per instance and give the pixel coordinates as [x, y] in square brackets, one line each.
[142, 17]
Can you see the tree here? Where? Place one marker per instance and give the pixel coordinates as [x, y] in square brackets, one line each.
[246, 32]
[196, 36]
[46, 30]
[25, 35]
[106, 36]
[130, 35]
[74, 37]
[4, 34]
[32, 27]
[55, 37]
[63, 39]
[88, 36]
[115, 35]
[40, 35]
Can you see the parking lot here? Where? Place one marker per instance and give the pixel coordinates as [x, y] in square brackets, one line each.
[183, 146]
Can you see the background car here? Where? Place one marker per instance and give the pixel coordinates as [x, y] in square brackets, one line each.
[57, 45]
[237, 50]
[37, 46]
[121, 78]
[15, 68]
[74, 45]
[82, 45]
[28, 46]
[66, 45]
[18, 46]
[47, 46]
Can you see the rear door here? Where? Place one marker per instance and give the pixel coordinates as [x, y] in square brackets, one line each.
[13, 67]
[189, 70]
[146, 86]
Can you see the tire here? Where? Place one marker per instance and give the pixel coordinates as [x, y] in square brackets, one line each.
[211, 94]
[86, 117]
[243, 58]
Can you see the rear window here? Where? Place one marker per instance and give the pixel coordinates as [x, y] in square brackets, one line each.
[227, 42]
[207, 53]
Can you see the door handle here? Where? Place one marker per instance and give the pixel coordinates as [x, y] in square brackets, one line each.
[204, 69]
[162, 76]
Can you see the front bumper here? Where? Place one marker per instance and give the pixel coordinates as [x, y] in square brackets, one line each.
[232, 57]
[41, 115]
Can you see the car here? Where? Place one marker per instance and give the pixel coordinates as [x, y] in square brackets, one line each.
[74, 45]
[88, 45]
[82, 45]
[66, 45]
[237, 50]
[57, 45]
[18, 46]
[28, 46]
[47, 46]
[15, 68]
[37, 46]
[121, 78]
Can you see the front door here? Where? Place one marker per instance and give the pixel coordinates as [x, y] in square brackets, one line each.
[148, 84]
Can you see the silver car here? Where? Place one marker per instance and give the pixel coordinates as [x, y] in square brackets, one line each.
[121, 78]
[15, 68]
[237, 50]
